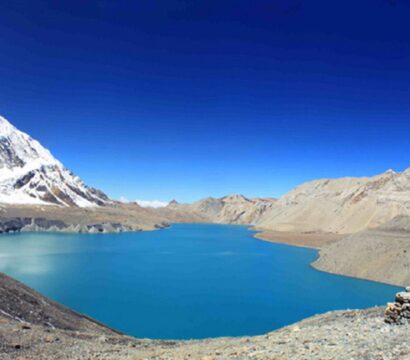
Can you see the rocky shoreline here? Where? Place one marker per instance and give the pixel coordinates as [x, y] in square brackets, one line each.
[312, 240]
[381, 254]
[109, 219]
[34, 327]
[27, 224]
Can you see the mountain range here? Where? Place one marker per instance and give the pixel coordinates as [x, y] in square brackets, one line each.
[30, 175]
[232, 209]
[343, 206]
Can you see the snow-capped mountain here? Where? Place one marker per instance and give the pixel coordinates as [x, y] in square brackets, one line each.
[29, 174]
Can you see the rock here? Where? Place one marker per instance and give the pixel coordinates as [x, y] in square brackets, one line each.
[408, 288]
[102, 339]
[49, 339]
[403, 297]
[399, 311]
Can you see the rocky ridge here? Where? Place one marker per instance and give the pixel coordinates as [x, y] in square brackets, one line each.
[232, 209]
[29, 174]
[345, 205]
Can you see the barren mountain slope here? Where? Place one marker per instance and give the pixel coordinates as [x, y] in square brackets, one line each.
[24, 305]
[233, 209]
[381, 254]
[344, 205]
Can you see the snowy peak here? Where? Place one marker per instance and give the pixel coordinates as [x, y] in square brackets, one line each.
[29, 174]
[5, 127]
[19, 150]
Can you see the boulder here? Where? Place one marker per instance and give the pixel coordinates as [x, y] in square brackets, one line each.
[403, 297]
[399, 311]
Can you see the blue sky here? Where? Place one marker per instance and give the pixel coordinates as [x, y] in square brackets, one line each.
[182, 99]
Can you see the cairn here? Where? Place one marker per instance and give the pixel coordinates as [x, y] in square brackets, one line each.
[399, 311]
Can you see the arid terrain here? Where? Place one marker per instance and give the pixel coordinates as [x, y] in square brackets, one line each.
[344, 206]
[381, 254]
[341, 206]
[314, 240]
[232, 209]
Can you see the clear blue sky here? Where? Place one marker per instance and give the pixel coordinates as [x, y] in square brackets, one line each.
[184, 99]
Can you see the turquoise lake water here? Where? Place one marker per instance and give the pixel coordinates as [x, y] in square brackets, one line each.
[187, 281]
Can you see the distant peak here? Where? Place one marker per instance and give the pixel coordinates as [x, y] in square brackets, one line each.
[235, 197]
[390, 172]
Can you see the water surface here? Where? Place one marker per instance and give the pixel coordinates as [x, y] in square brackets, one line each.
[187, 281]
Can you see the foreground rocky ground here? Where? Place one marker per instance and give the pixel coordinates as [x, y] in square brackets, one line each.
[33, 327]
[338, 335]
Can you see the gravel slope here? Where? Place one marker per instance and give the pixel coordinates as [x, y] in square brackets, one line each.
[381, 254]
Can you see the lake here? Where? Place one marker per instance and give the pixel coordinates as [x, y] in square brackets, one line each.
[186, 281]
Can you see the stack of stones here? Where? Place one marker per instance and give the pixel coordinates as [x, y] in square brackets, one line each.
[399, 311]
